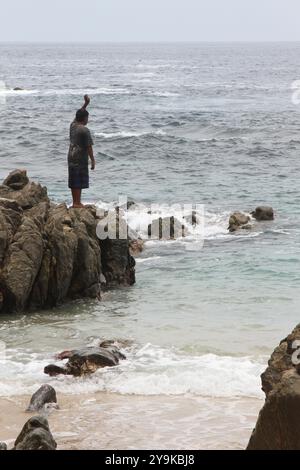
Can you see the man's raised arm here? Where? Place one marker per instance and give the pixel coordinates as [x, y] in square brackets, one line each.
[87, 101]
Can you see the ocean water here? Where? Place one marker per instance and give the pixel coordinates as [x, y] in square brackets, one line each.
[211, 124]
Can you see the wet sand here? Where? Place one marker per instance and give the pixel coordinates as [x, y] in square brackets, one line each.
[112, 421]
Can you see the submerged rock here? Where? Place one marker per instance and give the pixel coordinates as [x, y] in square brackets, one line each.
[86, 360]
[35, 435]
[50, 254]
[262, 213]
[44, 396]
[238, 220]
[278, 424]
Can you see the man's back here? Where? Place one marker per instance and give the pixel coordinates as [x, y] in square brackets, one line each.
[80, 140]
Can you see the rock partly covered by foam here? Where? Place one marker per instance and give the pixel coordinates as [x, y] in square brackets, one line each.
[3, 446]
[49, 253]
[241, 220]
[166, 228]
[278, 424]
[238, 220]
[86, 360]
[43, 397]
[35, 435]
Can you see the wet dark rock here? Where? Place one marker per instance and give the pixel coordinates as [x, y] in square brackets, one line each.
[50, 254]
[118, 266]
[238, 220]
[35, 435]
[18, 89]
[278, 424]
[43, 396]
[262, 213]
[86, 360]
[113, 347]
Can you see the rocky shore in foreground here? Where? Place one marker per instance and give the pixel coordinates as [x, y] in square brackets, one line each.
[50, 254]
[278, 424]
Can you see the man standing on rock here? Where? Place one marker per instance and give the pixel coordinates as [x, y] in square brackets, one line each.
[81, 149]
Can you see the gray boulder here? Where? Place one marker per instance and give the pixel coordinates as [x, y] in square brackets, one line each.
[262, 213]
[237, 221]
[35, 435]
[3, 446]
[43, 396]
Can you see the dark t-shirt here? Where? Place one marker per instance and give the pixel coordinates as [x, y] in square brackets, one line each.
[80, 140]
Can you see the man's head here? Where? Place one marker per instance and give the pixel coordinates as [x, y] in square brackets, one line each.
[82, 116]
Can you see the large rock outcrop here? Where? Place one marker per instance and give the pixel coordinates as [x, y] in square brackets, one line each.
[50, 254]
[278, 424]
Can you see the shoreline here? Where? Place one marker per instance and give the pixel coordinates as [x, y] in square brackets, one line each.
[112, 421]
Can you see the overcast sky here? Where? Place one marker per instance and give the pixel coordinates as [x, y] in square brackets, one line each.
[150, 20]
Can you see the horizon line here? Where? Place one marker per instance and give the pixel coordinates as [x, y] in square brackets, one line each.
[220, 41]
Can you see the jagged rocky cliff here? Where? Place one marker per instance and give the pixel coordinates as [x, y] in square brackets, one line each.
[50, 254]
[278, 424]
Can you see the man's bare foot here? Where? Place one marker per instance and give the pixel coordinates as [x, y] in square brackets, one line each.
[78, 206]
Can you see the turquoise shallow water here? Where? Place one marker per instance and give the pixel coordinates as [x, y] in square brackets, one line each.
[205, 124]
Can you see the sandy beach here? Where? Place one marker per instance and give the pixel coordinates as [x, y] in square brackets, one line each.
[113, 421]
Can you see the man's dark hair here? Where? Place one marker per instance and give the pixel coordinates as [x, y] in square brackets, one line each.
[81, 115]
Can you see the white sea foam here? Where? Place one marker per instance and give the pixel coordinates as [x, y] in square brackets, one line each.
[66, 91]
[4, 91]
[9, 92]
[146, 260]
[127, 134]
[209, 225]
[150, 370]
[153, 66]
[163, 94]
[92, 91]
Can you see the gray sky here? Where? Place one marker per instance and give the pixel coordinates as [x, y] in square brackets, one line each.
[150, 20]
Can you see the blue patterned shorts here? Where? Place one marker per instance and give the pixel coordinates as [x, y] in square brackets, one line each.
[78, 177]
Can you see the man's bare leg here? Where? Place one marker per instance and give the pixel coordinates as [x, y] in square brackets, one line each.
[76, 195]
